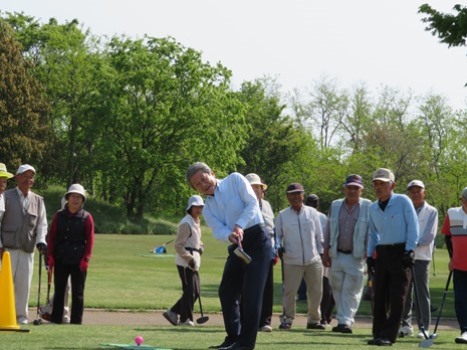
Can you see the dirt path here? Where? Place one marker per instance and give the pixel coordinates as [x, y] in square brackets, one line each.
[155, 318]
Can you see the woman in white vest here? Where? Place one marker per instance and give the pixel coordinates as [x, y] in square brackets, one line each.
[189, 248]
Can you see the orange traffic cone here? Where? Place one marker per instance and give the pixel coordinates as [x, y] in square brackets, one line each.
[7, 297]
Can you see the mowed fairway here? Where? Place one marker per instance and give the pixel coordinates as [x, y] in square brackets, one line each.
[124, 275]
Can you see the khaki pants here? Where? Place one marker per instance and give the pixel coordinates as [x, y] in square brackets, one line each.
[313, 276]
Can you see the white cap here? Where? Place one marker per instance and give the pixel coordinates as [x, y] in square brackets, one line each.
[76, 188]
[25, 167]
[416, 183]
[383, 174]
[196, 201]
[254, 179]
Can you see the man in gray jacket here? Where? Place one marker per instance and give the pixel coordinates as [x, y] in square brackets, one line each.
[345, 250]
[299, 232]
[428, 222]
[23, 227]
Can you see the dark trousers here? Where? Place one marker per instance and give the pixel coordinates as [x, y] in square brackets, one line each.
[391, 284]
[78, 279]
[327, 302]
[245, 281]
[460, 300]
[268, 296]
[190, 282]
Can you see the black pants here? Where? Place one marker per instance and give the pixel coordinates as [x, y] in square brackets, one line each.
[78, 279]
[327, 302]
[391, 285]
[268, 298]
[190, 286]
[245, 281]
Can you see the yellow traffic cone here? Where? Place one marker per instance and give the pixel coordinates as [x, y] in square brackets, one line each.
[7, 297]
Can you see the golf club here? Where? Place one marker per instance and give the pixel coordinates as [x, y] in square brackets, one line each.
[38, 320]
[241, 253]
[435, 335]
[283, 317]
[202, 319]
[427, 342]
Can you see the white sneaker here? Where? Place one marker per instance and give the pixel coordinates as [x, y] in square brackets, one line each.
[171, 316]
[22, 320]
[420, 335]
[462, 339]
[266, 328]
[406, 331]
[187, 323]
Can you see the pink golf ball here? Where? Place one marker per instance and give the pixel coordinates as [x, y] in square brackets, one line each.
[139, 340]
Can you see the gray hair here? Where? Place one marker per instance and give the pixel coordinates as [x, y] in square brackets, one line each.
[194, 168]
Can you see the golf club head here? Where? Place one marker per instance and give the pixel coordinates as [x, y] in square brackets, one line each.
[425, 343]
[242, 255]
[37, 322]
[202, 320]
[434, 336]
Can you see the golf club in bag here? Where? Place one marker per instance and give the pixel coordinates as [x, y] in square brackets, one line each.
[202, 319]
[38, 320]
[435, 335]
[162, 248]
[427, 342]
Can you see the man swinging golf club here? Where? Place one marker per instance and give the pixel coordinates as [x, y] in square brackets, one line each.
[232, 211]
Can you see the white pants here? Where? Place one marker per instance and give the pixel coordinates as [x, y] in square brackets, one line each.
[22, 265]
[313, 276]
[346, 277]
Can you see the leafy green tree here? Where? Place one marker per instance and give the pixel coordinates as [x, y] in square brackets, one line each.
[163, 108]
[24, 124]
[66, 62]
[450, 29]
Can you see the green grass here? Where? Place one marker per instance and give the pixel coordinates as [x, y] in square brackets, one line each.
[52, 337]
[124, 275]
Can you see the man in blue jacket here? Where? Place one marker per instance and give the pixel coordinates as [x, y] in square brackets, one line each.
[393, 235]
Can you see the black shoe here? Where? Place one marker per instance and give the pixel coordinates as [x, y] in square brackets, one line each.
[382, 342]
[342, 328]
[236, 346]
[225, 344]
[315, 326]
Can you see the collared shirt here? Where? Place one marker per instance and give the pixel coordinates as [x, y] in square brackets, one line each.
[24, 200]
[348, 217]
[398, 223]
[428, 225]
[234, 203]
[2, 206]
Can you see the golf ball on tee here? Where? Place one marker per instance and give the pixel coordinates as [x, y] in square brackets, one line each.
[139, 340]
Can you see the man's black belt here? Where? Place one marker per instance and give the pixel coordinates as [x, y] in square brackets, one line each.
[191, 250]
[344, 251]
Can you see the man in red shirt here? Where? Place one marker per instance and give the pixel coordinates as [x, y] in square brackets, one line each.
[455, 231]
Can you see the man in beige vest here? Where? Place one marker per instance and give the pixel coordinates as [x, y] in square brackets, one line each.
[23, 227]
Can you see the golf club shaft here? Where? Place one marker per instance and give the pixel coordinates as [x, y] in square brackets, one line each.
[442, 301]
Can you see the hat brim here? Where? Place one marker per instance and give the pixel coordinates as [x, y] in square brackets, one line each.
[381, 179]
[353, 184]
[6, 174]
[295, 191]
[263, 186]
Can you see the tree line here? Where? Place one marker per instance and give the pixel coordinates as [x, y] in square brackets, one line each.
[125, 117]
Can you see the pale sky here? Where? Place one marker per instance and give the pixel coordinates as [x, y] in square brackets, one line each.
[376, 42]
